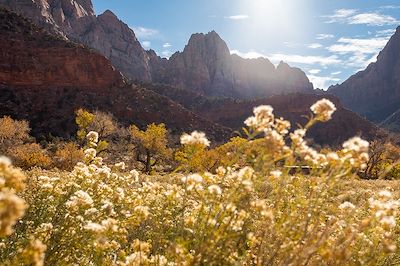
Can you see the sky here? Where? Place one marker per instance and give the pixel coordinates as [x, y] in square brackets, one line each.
[330, 40]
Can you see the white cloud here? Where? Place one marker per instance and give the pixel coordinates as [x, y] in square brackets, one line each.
[314, 45]
[322, 82]
[353, 16]
[340, 15]
[237, 17]
[249, 55]
[290, 58]
[373, 19]
[390, 7]
[146, 44]
[167, 45]
[307, 60]
[336, 73]
[385, 33]
[314, 71]
[324, 36]
[145, 33]
[366, 46]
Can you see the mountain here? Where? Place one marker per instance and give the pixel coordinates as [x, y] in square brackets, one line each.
[375, 91]
[205, 65]
[45, 79]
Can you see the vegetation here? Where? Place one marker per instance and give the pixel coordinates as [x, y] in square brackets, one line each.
[246, 202]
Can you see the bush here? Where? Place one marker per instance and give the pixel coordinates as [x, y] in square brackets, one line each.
[67, 156]
[30, 155]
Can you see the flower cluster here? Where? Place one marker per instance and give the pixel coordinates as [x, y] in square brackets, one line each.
[323, 109]
[195, 138]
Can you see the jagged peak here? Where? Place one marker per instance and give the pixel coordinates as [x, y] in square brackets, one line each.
[108, 13]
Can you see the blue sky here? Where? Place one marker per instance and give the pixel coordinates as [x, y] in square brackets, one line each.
[329, 40]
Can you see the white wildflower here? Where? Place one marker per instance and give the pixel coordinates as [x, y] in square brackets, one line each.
[214, 189]
[346, 205]
[93, 136]
[323, 109]
[195, 138]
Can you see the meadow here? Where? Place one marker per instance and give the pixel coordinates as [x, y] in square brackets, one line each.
[268, 198]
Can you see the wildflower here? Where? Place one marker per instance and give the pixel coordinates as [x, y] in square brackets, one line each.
[194, 178]
[135, 175]
[90, 154]
[214, 189]
[323, 109]
[93, 136]
[79, 199]
[282, 126]
[346, 205]
[120, 166]
[357, 145]
[276, 173]
[195, 138]
[388, 222]
[94, 227]
[263, 118]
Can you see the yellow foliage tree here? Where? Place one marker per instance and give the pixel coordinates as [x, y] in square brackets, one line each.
[151, 145]
[12, 132]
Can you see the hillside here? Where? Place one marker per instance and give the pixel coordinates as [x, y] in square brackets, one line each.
[45, 79]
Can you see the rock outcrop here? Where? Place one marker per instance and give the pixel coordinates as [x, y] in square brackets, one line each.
[75, 20]
[375, 92]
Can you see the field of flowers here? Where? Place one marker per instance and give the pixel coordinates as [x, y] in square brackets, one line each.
[273, 200]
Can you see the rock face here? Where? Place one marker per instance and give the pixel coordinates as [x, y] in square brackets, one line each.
[76, 20]
[375, 92]
[205, 65]
[45, 79]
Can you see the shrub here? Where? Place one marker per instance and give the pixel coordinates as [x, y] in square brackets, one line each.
[67, 156]
[12, 132]
[30, 155]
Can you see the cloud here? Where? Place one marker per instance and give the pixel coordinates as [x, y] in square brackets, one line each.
[360, 52]
[322, 82]
[324, 36]
[340, 15]
[353, 16]
[385, 33]
[248, 55]
[389, 7]
[291, 58]
[237, 17]
[373, 19]
[307, 60]
[366, 46]
[314, 71]
[336, 73]
[145, 33]
[314, 45]
[146, 44]
[167, 45]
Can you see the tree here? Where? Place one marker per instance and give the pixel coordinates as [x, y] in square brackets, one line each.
[151, 146]
[12, 133]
